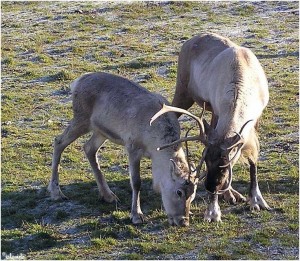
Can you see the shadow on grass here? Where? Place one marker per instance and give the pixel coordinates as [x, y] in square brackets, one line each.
[32, 221]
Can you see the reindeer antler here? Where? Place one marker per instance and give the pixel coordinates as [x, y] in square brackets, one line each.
[239, 139]
[187, 155]
[238, 142]
[201, 135]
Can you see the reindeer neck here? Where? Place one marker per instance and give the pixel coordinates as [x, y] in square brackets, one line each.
[228, 127]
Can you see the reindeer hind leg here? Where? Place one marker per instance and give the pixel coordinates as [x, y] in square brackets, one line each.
[75, 129]
[90, 148]
[256, 199]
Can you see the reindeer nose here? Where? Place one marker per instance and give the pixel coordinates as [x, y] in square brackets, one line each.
[182, 221]
[185, 223]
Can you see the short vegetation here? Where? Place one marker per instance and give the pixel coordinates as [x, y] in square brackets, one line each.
[46, 45]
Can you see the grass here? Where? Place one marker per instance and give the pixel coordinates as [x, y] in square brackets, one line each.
[45, 45]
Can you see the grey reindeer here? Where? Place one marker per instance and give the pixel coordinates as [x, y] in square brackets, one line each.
[117, 109]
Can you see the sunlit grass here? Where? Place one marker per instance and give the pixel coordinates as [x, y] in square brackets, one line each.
[140, 41]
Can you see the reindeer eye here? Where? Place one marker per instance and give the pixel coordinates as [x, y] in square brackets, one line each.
[179, 193]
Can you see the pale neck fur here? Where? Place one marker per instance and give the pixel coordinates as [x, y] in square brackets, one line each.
[228, 127]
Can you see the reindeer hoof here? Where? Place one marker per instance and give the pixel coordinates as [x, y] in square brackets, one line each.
[212, 219]
[258, 207]
[232, 196]
[109, 197]
[210, 216]
[137, 219]
[59, 197]
[255, 208]
[229, 197]
[257, 203]
[56, 194]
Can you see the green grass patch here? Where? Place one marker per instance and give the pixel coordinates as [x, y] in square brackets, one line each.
[140, 41]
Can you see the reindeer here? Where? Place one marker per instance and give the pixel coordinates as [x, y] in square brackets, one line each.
[116, 109]
[229, 81]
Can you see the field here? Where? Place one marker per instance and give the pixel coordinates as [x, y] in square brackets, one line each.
[46, 45]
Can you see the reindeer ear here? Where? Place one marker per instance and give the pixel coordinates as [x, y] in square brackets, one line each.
[173, 169]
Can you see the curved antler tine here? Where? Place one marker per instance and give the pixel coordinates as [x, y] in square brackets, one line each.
[194, 138]
[201, 163]
[187, 154]
[230, 160]
[224, 166]
[167, 108]
[239, 139]
[244, 126]
[159, 113]
[237, 142]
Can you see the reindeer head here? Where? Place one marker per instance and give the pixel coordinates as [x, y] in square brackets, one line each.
[219, 155]
[178, 193]
[217, 175]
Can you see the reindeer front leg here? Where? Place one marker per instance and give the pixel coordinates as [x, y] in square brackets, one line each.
[136, 215]
[213, 212]
[256, 200]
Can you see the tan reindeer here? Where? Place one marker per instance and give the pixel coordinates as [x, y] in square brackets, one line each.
[116, 109]
[231, 83]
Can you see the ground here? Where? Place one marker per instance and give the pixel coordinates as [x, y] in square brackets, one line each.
[46, 45]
